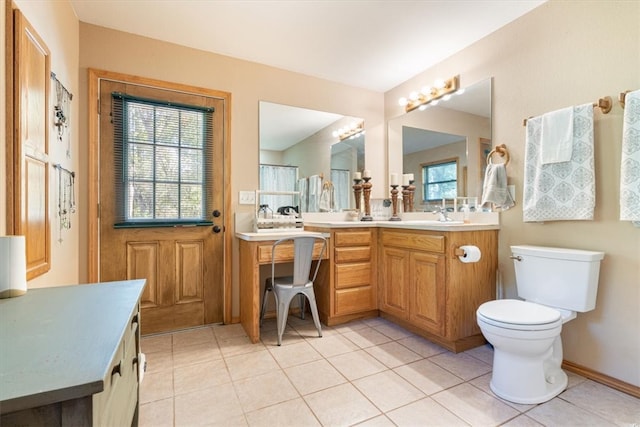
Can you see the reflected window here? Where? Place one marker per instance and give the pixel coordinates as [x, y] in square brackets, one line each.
[440, 180]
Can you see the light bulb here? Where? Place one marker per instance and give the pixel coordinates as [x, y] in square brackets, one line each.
[434, 102]
[335, 134]
[439, 83]
[446, 97]
[460, 91]
[403, 101]
[414, 96]
[426, 90]
[423, 107]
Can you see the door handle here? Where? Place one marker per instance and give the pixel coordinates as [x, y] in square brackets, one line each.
[216, 229]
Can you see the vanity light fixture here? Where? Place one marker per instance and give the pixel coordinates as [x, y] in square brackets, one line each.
[353, 131]
[430, 95]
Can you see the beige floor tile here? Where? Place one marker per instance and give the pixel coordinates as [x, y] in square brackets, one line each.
[202, 335]
[264, 390]
[558, 412]
[289, 336]
[356, 364]
[294, 354]
[483, 352]
[156, 386]
[475, 406]
[424, 413]
[201, 375]
[461, 364]
[159, 361]
[213, 406]
[522, 421]
[393, 354]
[314, 376]
[379, 421]
[366, 337]
[223, 332]
[153, 343]
[197, 353]
[483, 383]
[332, 345]
[293, 413]
[422, 346]
[388, 390]
[428, 377]
[251, 364]
[392, 330]
[356, 325]
[340, 406]
[156, 414]
[613, 405]
[234, 346]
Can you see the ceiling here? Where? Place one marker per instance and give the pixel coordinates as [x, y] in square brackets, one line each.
[375, 45]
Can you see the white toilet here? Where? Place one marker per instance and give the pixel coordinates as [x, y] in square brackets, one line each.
[555, 283]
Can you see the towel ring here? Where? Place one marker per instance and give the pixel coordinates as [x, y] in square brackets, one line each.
[499, 149]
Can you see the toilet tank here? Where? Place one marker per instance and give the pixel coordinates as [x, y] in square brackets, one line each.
[557, 277]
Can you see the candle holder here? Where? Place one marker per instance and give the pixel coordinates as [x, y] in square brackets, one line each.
[394, 203]
[405, 198]
[357, 193]
[412, 190]
[366, 189]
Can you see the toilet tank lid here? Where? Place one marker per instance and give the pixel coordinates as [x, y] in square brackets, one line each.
[557, 253]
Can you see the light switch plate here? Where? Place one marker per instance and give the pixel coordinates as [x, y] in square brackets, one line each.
[247, 197]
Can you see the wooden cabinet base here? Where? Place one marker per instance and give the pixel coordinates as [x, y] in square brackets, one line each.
[455, 346]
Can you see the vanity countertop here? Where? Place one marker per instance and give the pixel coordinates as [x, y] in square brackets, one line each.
[276, 235]
[411, 225]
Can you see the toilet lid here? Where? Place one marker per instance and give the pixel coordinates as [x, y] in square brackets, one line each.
[516, 312]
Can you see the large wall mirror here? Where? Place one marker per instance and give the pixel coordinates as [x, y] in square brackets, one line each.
[444, 146]
[299, 152]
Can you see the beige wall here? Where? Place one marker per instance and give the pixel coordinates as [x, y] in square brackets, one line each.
[248, 83]
[58, 26]
[566, 53]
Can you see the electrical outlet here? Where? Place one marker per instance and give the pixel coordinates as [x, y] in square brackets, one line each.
[247, 197]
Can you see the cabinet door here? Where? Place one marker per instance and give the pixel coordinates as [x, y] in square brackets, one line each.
[394, 282]
[427, 291]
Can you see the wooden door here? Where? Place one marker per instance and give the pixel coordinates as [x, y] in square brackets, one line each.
[427, 291]
[182, 263]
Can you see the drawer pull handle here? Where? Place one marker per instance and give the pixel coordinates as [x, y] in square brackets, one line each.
[117, 369]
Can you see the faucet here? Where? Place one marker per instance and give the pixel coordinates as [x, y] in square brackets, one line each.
[442, 214]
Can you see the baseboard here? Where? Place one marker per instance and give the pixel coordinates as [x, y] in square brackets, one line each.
[602, 378]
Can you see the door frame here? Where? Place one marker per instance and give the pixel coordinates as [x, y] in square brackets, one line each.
[95, 76]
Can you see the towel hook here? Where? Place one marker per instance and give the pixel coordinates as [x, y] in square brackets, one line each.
[502, 151]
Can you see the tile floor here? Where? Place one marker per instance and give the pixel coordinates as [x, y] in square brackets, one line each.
[366, 373]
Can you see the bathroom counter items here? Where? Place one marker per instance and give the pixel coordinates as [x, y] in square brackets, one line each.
[433, 225]
[69, 355]
[275, 235]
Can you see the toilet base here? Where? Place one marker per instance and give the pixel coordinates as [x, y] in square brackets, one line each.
[526, 380]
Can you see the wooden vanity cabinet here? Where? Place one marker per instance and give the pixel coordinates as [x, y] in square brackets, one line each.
[424, 287]
[347, 290]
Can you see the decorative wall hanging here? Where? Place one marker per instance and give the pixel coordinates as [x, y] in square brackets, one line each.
[62, 113]
[66, 198]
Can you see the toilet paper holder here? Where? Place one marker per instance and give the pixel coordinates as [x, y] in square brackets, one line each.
[459, 252]
[468, 253]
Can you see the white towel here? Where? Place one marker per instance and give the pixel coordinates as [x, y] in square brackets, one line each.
[494, 188]
[630, 166]
[560, 191]
[556, 142]
[314, 190]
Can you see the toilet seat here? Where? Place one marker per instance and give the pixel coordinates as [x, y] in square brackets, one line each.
[519, 315]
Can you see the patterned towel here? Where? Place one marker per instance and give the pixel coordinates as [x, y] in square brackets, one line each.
[630, 167]
[566, 190]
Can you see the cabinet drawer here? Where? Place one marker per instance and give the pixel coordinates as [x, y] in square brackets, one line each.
[360, 253]
[355, 300]
[421, 242]
[352, 238]
[350, 275]
[284, 252]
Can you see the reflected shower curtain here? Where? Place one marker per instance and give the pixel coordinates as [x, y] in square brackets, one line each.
[342, 188]
[278, 178]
